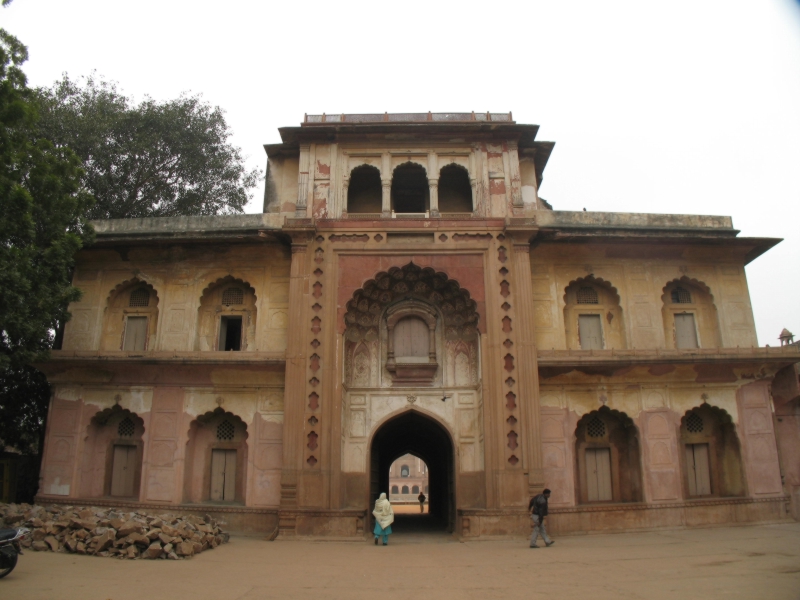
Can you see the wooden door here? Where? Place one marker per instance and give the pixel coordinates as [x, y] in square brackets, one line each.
[223, 475]
[411, 338]
[598, 474]
[590, 331]
[135, 333]
[123, 471]
[699, 469]
[685, 331]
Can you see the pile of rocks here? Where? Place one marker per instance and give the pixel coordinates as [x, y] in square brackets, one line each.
[112, 532]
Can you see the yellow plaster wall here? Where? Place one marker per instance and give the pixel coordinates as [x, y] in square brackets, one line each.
[179, 276]
[640, 273]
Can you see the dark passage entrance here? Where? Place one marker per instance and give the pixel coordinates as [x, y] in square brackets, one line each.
[413, 433]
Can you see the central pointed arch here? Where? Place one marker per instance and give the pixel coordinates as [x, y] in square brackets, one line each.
[413, 432]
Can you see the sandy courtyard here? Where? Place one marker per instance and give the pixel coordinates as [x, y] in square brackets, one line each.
[758, 562]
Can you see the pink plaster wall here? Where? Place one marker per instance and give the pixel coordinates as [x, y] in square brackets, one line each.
[757, 436]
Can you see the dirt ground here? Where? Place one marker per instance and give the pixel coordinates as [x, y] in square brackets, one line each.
[756, 562]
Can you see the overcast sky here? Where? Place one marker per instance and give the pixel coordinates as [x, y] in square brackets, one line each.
[666, 107]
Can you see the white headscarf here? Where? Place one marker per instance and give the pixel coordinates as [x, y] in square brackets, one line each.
[383, 512]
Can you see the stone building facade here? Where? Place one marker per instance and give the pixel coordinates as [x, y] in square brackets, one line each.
[408, 476]
[406, 290]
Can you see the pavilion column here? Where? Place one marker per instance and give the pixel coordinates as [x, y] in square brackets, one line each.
[433, 186]
[386, 185]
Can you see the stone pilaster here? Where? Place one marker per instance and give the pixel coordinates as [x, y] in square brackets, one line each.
[528, 369]
[296, 369]
[302, 183]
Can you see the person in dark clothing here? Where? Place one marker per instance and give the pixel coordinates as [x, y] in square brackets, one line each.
[537, 507]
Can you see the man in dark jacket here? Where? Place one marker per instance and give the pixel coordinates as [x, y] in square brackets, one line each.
[538, 509]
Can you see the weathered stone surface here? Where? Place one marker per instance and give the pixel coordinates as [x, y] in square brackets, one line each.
[39, 546]
[128, 528]
[52, 542]
[105, 541]
[166, 539]
[154, 550]
[185, 549]
[138, 538]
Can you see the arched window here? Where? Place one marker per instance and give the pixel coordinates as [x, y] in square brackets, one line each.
[455, 190]
[227, 316]
[607, 453]
[410, 191]
[690, 317]
[131, 317]
[415, 489]
[395, 489]
[405, 489]
[404, 471]
[411, 339]
[711, 453]
[592, 315]
[364, 190]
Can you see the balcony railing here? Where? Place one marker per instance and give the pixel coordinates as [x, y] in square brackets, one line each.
[398, 215]
[452, 117]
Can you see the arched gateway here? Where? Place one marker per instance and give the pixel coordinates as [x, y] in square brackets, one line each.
[412, 432]
[411, 377]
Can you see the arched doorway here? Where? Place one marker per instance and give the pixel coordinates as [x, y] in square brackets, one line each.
[417, 434]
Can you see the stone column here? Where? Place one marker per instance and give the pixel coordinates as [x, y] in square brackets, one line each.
[433, 185]
[386, 185]
[528, 373]
[386, 198]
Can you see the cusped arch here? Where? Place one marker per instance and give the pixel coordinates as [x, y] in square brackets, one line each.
[412, 163]
[368, 303]
[618, 415]
[227, 280]
[219, 413]
[592, 280]
[721, 414]
[128, 284]
[697, 283]
[103, 417]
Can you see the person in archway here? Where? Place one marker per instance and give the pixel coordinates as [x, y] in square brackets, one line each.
[384, 517]
[421, 499]
[538, 509]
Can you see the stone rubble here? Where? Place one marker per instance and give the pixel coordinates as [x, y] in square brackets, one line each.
[113, 532]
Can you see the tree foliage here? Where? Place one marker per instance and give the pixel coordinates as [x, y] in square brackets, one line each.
[24, 397]
[41, 228]
[151, 159]
[43, 224]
